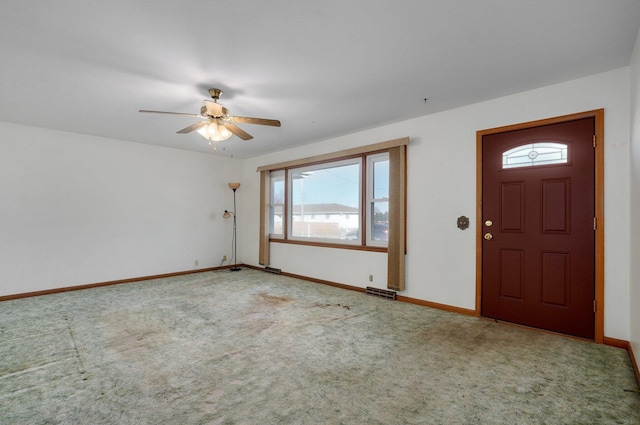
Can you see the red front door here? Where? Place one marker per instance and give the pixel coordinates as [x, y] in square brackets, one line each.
[538, 209]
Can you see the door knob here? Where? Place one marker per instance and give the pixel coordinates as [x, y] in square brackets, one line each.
[488, 236]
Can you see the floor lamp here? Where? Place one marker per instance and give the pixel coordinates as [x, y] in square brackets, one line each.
[228, 214]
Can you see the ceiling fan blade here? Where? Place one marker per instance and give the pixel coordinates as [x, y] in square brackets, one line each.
[238, 131]
[193, 127]
[214, 108]
[259, 121]
[170, 113]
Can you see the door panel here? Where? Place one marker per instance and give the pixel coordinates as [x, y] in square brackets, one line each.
[512, 207]
[512, 274]
[556, 204]
[538, 264]
[555, 282]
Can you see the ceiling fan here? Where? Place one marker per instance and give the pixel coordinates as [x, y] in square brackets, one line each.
[217, 124]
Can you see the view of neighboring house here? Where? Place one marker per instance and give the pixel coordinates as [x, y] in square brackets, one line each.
[331, 220]
[319, 220]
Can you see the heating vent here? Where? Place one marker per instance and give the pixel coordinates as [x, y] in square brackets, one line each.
[380, 293]
[272, 270]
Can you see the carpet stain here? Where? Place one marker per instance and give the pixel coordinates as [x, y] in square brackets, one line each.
[134, 334]
[271, 300]
[214, 396]
[323, 305]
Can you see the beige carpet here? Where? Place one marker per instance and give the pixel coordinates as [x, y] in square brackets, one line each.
[254, 348]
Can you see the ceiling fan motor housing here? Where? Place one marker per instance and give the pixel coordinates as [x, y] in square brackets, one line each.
[215, 93]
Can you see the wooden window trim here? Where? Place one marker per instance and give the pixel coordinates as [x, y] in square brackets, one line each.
[345, 154]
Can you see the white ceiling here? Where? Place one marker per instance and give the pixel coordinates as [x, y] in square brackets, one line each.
[322, 68]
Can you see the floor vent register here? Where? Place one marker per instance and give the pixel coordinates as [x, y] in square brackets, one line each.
[272, 270]
[383, 293]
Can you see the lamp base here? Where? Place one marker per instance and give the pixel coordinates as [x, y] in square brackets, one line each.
[235, 269]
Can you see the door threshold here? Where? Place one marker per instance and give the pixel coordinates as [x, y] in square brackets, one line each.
[532, 328]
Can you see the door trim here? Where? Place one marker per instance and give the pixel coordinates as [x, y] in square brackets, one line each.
[598, 115]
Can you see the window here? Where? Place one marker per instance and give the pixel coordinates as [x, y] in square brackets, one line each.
[276, 204]
[333, 190]
[325, 202]
[378, 199]
[533, 154]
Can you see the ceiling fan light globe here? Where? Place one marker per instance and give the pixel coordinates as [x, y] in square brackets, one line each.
[224, 132]
[214, 132]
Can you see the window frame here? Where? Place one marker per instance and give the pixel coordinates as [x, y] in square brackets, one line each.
[370, 201]
[281, 175]
[364, 160]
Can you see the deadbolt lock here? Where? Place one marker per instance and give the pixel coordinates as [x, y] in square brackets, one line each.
[488, 223]
[488, 236]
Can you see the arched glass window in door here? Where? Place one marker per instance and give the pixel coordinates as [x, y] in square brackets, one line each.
[533, 154]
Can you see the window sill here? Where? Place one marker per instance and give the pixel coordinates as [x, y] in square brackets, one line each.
[331, 245]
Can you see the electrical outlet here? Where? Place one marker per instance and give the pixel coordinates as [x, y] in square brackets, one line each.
[224, 258]
[195, 263]
[370, 278]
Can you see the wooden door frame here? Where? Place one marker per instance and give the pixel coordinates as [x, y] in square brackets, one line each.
[598, 115]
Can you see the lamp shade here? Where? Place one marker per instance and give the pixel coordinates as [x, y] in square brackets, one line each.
[234, 186]
[214, 132]
[226, 214]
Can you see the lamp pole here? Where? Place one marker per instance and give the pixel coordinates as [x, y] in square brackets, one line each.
[235, 268]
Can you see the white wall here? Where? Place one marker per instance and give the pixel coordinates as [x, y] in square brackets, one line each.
[635, 202]
[440, 263]
[78, 209]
